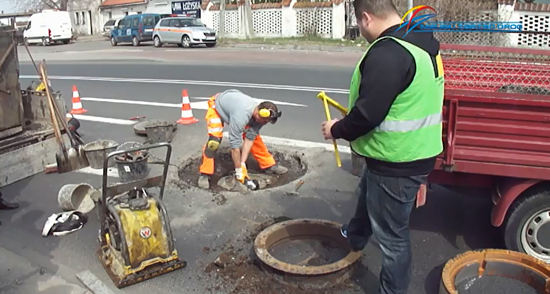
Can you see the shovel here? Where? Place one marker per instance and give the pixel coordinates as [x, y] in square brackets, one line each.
[61, 158]
[76, 155]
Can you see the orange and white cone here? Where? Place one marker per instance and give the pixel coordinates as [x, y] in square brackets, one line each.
[77, 104]
[187, 117]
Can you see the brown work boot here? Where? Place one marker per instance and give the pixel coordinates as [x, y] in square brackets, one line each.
[276, 169]
[204, 182]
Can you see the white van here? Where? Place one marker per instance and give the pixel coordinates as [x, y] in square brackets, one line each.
[49, 26]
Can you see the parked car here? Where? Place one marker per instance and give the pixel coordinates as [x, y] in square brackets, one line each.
[183, 31]
[109, 26]
[49, 26]
[135, 29]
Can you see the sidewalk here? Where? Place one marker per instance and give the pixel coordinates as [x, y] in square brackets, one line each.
[19, 276]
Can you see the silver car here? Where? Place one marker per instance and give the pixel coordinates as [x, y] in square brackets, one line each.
[109, 26]
[183, 31]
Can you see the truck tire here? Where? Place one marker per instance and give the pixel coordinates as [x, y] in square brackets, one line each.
[527, 225]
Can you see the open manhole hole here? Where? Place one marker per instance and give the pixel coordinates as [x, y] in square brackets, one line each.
[225, 170]
[306, 253]
[494, 271]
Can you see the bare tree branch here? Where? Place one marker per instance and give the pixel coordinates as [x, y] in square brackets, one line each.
[38, 5]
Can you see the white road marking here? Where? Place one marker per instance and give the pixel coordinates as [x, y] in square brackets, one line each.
[100, 119]
[193, 82]
[194, 105]
[260, 100]
[300, 143]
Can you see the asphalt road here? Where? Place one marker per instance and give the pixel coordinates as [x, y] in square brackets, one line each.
[446, 226]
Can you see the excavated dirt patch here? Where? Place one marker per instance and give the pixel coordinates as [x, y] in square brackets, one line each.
[237, 270]
[189, 172]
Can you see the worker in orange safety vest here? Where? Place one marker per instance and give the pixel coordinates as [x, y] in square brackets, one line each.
[245, 117]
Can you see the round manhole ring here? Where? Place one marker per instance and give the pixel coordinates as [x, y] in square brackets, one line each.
[303, 227]
[495, 262]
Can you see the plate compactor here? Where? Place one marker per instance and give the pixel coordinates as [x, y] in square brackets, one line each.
[135, 239]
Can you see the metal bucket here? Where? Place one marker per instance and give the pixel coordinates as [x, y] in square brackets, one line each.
[133, 169]
[76, 197]
[97, 151]
[160, 131]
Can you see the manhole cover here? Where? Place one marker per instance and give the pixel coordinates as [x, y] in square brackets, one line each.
[495, 271]
[306, 252]
[225, 170]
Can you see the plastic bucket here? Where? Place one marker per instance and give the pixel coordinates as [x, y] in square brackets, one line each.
[76, 197]
[160, 131]
[134, 170]
[97, 151]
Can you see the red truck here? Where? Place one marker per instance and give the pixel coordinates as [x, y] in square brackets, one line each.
[497, 136]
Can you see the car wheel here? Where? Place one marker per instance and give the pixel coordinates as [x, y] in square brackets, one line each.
[135, 41]
[45, 42]
[113, 42]
[26, 41]
[210, 45]
[527, 227]
[157, 42]
[185, 41]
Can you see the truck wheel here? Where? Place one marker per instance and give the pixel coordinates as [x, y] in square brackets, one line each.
[135, 41]
[527, 226]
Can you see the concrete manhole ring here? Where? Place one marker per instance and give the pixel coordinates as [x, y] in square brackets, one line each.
[504, 271]
[316, 276]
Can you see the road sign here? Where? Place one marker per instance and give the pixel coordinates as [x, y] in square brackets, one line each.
[191, 8]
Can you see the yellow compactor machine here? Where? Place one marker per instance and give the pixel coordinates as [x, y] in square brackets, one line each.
[135, 239]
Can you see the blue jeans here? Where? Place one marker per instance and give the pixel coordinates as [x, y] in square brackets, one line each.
[383, 209]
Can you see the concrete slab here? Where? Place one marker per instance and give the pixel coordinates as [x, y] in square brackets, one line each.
[19, 276]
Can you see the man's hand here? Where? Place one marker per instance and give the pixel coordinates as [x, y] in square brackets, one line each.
[326, 126]
[241, 173]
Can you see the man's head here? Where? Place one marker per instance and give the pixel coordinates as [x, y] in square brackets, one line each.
[266, 112]
[375, 16]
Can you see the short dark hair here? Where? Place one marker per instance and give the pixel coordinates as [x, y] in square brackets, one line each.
[379, 8]
[268, 105]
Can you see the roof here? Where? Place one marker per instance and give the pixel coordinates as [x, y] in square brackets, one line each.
[107, 3]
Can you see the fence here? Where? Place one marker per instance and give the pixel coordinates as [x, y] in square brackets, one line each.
[286, 19]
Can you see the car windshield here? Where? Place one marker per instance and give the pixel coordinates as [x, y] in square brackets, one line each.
[191, 22]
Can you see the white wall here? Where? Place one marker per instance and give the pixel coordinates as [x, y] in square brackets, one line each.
[85, 17]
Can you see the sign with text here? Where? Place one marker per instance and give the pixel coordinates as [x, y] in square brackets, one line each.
[191, 8]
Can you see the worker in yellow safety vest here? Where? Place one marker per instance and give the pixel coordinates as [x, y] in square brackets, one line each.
[393, 121]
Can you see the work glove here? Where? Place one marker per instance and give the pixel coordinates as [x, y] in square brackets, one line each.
[242, 176]
[241, 173]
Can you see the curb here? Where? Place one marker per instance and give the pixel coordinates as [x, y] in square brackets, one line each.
[327, 48]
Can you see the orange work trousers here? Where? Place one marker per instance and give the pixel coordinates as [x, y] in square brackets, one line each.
[215, 126]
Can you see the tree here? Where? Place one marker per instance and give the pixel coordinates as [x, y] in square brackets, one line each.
[38, 5]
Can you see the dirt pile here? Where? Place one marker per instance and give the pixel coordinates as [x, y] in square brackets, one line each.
[189, 171]
[238, 271]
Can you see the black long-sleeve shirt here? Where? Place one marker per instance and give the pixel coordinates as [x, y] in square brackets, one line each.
[387, 70]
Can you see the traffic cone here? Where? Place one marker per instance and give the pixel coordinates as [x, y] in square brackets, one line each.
[77, 104]
[187, 117]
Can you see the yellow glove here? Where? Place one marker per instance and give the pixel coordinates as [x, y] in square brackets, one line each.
[241, 173]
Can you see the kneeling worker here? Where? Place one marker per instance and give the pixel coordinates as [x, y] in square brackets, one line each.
[245, 118]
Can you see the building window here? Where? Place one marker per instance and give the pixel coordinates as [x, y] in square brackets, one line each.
[77, 18]
[83, 18]
[110, 15]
